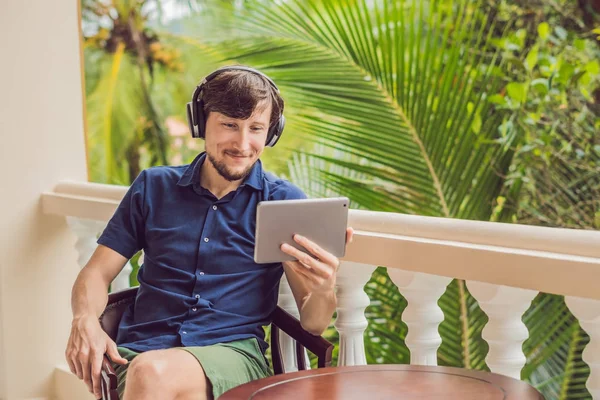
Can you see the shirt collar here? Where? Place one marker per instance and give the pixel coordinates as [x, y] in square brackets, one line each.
[192, 173]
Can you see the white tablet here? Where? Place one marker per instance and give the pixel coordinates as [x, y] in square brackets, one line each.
[324, 221]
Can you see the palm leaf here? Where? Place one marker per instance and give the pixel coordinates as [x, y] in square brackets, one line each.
[418, 96]
[553, 350]
[395, 93]
[112, 116]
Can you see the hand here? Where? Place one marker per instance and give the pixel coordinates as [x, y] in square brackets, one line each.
[317, 270]
[85, 349]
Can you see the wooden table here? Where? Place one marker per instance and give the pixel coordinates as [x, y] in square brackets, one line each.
[375, 382]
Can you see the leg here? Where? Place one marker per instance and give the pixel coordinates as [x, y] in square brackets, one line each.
[166, 374]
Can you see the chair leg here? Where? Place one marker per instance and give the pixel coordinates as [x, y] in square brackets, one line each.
[300, 357]
[278, 367]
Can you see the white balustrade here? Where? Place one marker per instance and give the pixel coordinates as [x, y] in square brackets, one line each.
[422, 255]
[505, 331]
[122, 281]
[422, 314]
[87, 232]
[352, 302]
[287, 344]
[587, 311]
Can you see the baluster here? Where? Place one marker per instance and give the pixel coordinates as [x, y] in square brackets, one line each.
[505, 331]
[87, 232]
[351, 304]
[422, 314]
[288, 345]
[122, 281]
[587, 311]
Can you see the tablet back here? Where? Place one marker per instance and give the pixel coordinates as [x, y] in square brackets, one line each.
[323, 221]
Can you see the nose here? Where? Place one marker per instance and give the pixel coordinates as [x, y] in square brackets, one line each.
[243, 141]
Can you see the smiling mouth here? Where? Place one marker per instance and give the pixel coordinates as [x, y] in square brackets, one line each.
[236, 156]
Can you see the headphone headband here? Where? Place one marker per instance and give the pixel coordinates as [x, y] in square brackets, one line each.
[195, 108]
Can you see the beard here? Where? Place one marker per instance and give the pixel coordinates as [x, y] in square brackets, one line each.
[224, 170]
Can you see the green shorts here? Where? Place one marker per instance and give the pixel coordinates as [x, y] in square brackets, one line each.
[226, 365]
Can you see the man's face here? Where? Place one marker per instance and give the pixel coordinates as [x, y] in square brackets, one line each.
[234, 145]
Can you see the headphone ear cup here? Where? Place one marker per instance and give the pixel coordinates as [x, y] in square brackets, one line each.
[193, 129]
[201, 120]
[276, 132]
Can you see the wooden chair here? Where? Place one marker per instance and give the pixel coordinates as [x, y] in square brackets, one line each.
[119, 301]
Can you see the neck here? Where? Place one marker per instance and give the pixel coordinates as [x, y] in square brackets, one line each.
[212, 181]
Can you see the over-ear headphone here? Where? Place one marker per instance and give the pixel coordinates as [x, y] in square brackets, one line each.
[195, 108]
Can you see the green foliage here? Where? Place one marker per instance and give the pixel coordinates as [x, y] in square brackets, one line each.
[466, 109]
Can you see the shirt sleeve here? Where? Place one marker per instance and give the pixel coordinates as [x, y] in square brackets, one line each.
[124, 233]
[287, 191]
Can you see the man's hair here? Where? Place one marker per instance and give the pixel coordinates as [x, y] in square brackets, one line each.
[236, 93]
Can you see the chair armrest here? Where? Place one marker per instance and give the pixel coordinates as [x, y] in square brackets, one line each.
[119, 295]
[317, 345]
[108, 380]
[117, 303]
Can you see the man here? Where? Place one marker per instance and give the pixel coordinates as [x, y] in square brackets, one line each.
[195, 330]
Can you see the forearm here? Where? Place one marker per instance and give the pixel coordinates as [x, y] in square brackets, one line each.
[316, 311]
[89, 295]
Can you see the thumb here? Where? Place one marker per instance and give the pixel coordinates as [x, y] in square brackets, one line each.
[114, 355]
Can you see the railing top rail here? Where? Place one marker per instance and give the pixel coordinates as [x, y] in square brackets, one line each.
[554, 260]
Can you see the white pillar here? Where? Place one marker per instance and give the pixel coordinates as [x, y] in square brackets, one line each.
[121, 281]
[587, 311]
[422, 314]
[351, 304]
[288, 345]
[87, 232]
[505, 331]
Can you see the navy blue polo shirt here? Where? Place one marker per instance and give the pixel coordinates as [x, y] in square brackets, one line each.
[199, 284]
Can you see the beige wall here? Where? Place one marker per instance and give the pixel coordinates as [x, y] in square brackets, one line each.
[42, 142]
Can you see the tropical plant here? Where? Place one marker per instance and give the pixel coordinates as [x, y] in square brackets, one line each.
[554, 90]
[135, 81]
[411, 105]
[400, 97]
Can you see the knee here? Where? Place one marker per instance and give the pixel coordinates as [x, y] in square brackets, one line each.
[147, 371]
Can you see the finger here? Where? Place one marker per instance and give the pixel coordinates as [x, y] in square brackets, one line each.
[316, 250]
[114, 355]
[301, 270]
[96, 367]
[306, 260]
[70, 361]
[292, 251]
[76, 356]
[349, 235]
[86, 371]
[77, 365]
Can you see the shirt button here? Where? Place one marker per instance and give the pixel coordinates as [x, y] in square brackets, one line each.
[206, 239]
[215, 208]
[200, 273]
[194, 309]
[184, 332]
[197, 296]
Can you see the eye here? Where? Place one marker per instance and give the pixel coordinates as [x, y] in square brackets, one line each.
[257, 128]
[228, 125]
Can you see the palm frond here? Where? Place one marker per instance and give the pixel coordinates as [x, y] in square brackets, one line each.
[113, 116]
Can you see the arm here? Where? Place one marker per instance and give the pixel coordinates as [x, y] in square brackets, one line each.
[87, 341]
[312, 280]
[316, 308]
[120, 240]
[90, 290]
